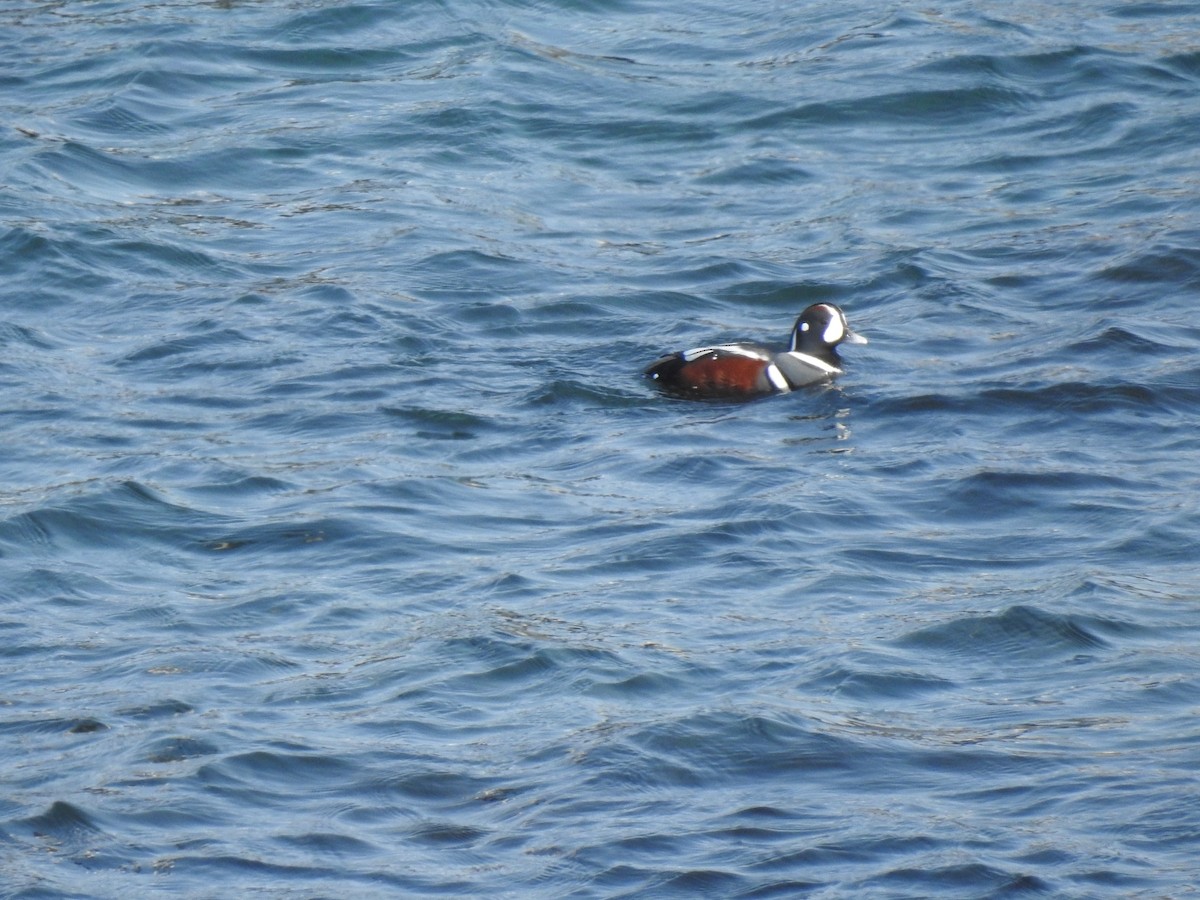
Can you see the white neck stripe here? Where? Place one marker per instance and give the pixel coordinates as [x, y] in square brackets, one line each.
[814, 362]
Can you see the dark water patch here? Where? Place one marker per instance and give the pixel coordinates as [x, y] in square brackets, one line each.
[1021, 631]
[583, 392]
[58, 725]
[55, 265]
[992, 494]
[977, 878]
[785, 888]
[103, 173]
[466, 272]
[641, 685]
[1118, 342]
[214, 339]
[329, 844]
[598, 133]
[761, 171]
[1114, 880]
[238, 490]
[281, 768]
[789, 295]
[731, 746]
[444, 788]
[953, 107]
[312, 62]
[157, 710]
[348, 383]
[259, 874]
[354, 19]
[532, 668]
[934, 557]
[179, 749]
[1178, 267]
[123, 117]
[706, 881]
[447, 834]
[1160, 543]
[1098, 125]
[15, 337]
[1149, 11]
[1187, 64]
[443, 424]
[1034, 68]
[274, 537]
[825, 856]
[882, 687]
[126, 511]
[65, 824]
[1062, 399]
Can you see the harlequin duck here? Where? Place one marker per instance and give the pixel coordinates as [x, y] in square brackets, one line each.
[744, 371]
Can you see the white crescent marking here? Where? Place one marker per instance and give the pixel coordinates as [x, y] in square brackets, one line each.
[776, 378]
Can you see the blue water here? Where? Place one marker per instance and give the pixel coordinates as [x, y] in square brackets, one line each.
[344, 552]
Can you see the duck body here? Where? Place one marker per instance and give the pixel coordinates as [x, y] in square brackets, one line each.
[746, 370]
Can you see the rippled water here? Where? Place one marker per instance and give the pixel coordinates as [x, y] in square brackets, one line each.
[343, 552]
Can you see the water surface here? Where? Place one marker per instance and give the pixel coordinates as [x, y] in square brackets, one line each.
[344, 552]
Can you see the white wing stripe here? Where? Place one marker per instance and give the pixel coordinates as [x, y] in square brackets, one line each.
[735, 349]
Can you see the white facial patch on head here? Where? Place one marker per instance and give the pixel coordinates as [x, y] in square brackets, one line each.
[835, 330]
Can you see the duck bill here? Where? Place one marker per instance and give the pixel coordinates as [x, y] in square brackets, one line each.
[853, 337]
